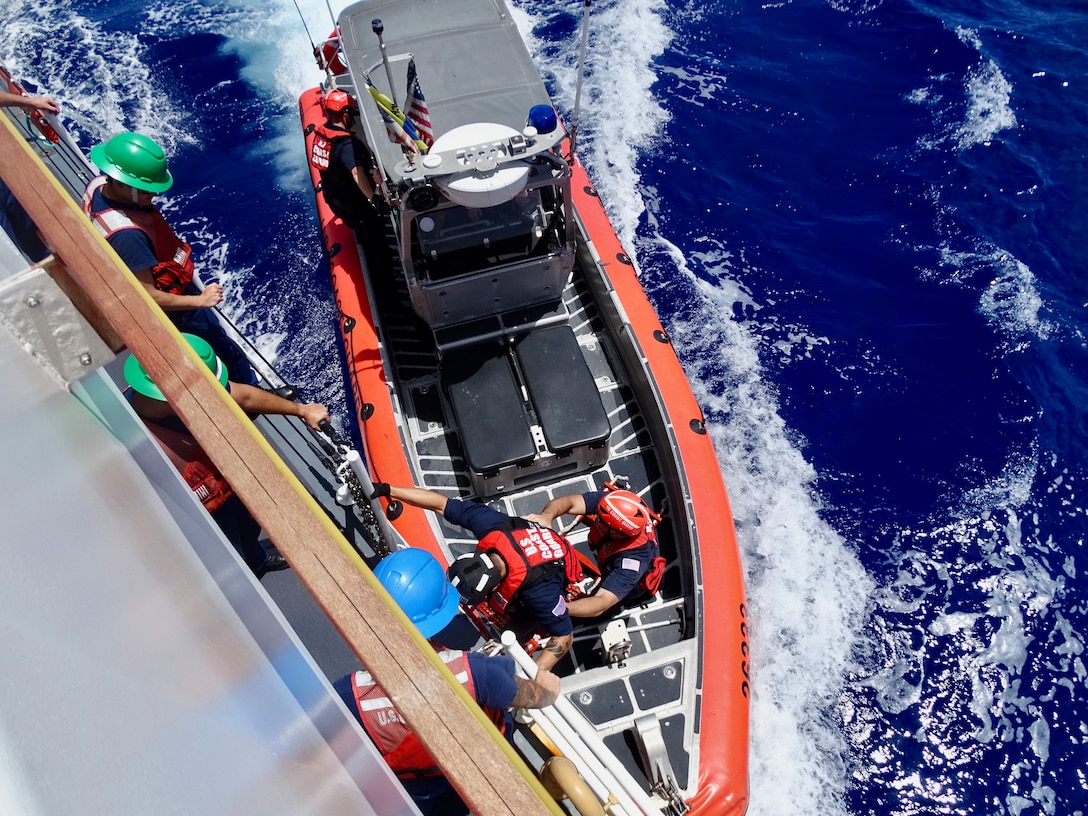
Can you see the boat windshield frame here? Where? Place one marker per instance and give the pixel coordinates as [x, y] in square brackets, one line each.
[463, 263]
[452, 240]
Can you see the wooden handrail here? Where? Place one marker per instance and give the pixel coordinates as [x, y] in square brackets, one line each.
[480, 764]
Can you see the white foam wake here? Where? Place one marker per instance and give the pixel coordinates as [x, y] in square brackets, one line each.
[619, 117]
[808, 595]
[807, 592]
[98, 75]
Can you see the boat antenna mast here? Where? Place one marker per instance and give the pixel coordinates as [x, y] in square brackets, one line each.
[378, 28]
[306, 28]
[581, 74]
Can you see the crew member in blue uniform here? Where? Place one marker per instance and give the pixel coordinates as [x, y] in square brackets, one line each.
[119, 202]
[520, 568]
[416, 581]
[621, 534]
[349, 180]
[194, 464]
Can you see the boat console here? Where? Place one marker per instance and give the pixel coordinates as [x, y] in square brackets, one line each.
[465, 262]
[488, 249]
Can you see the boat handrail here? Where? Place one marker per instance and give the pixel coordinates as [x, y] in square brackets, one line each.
[407, 55]
[502, 330]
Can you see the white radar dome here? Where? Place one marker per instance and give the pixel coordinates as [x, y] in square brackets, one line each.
[488, 183]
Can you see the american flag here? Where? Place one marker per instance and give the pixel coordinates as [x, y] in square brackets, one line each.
[416, 107]
[403, 134]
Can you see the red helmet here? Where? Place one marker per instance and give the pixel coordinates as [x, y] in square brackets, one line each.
[624, 512]
[475, 576]
[337, 101]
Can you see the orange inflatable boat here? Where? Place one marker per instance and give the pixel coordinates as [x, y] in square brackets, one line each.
[510, 356]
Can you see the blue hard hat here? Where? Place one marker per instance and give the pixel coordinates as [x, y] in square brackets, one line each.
[542, 117]
[419, 585]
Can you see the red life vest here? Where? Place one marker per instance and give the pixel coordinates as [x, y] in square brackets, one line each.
[321, 147]
[174, 270]
[607, 546]
[531, 555]
[36, 116]
[402, 750]
[193, 464]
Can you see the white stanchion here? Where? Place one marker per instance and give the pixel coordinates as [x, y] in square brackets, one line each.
[627, 787]
[355, 462]
[66, 137]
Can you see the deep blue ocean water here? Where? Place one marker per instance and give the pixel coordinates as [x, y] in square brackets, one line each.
[863, 224]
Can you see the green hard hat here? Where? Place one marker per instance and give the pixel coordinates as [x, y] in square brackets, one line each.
[141, 383]
[135, 160]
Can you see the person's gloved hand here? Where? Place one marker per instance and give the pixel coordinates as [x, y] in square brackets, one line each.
[381, 491]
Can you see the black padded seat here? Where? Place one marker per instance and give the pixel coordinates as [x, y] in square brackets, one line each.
[488, 406]
[562, 389]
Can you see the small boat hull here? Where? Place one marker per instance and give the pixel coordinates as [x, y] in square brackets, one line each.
[675, 711]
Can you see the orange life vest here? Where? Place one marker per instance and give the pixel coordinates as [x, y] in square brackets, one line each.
[193, 464]
[174, 270]
[402, 750]
[321, 147]
[531, 555]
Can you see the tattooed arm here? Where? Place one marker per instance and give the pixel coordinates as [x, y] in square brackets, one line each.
[554, 648]
[536, 693]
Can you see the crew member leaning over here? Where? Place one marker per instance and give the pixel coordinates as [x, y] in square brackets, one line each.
[119, 203]
[522, 570]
